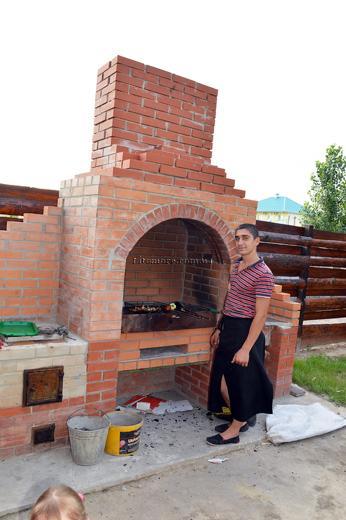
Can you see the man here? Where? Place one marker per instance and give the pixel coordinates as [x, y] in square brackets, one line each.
[238, 377]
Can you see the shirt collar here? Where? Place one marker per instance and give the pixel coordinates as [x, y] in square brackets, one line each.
[259, 261]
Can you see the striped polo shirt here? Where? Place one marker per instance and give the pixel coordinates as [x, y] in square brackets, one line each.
[245, 286]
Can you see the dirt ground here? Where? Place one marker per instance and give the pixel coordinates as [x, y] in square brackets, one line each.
[302, 480]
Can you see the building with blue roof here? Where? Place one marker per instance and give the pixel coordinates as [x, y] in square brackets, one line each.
[279, 209]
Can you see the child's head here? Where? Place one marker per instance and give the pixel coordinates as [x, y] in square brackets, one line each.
[59, 503]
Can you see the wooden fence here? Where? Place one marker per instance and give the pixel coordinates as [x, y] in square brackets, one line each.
[17, 200]
[310, 265]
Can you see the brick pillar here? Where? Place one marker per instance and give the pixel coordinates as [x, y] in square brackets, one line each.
[102, 374]
[280, 363]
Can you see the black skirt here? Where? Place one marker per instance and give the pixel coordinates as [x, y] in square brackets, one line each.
[249, 388]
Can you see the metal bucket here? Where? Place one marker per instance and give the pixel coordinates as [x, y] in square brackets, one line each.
[88, 434]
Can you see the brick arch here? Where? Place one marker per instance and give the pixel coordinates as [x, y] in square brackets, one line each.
[168, 212]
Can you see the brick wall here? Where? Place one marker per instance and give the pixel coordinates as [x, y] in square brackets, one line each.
[193, 381]
[29, 266]
[150, 281]
[205, 283]
[144, 382]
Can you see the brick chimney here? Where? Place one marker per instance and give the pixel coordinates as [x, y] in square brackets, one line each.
[144, 108]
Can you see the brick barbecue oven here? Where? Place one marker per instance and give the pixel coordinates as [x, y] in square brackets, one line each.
[151, 223]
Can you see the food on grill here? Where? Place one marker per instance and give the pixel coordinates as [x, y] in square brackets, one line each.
[144, 308]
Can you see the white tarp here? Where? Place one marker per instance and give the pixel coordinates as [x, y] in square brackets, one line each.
[293, 422]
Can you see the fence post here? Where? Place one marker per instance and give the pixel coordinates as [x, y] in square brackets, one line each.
[306, 251]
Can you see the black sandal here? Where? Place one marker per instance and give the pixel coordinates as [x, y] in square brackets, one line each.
[217, 440]
[223, 427]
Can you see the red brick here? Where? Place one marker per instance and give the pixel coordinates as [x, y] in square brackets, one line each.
[141, 165]
[200, 151]
[198, 176]
[150, 121]
[159, 179]
[158, 157]
[223, 181]
[103, 385]
[128, 62]
[93, 398]
[212, 187]
[159, 72]
[160, 89]
[181, 130]
[190, 165]
[187, 183]
[236, 193]
[177, 172]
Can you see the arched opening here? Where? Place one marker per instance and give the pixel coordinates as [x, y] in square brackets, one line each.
[181, 261]
[177, 260]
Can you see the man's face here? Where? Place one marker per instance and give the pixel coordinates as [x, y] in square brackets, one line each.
[245, 242]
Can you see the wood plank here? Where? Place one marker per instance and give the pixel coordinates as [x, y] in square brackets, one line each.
[285, 265]
[280, 238]
[327, 261]
[324, 314]
[325, 283]
[320, 251]
[291, 285]
[17, 200]
[279, 248]
[327, 272]
[328, 235]
[332, 302]
[263, 225]
[317, 291]
[315, 334]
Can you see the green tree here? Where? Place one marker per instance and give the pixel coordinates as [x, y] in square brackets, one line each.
[326, 209]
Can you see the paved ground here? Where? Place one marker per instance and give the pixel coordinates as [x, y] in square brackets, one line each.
[299, 481]
[302, 480]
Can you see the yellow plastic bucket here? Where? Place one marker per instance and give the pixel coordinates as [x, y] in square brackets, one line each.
[124, 433]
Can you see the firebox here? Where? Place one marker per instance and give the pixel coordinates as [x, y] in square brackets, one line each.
[42, 385]
[173, 278]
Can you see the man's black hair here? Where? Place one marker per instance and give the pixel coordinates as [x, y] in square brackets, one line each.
[251, 229]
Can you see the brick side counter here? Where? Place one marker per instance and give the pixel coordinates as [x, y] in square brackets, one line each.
[16, 421]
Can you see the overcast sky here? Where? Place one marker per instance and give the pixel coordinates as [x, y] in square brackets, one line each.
[279, 67]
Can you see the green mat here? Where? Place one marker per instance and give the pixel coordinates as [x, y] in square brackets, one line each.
[18, 328]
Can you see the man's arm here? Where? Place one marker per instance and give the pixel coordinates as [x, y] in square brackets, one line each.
[242, 356]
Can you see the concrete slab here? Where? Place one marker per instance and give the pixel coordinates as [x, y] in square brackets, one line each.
[166, 441]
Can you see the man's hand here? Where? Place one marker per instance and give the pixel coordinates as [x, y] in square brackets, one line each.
[241, 358]
[214, 338]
